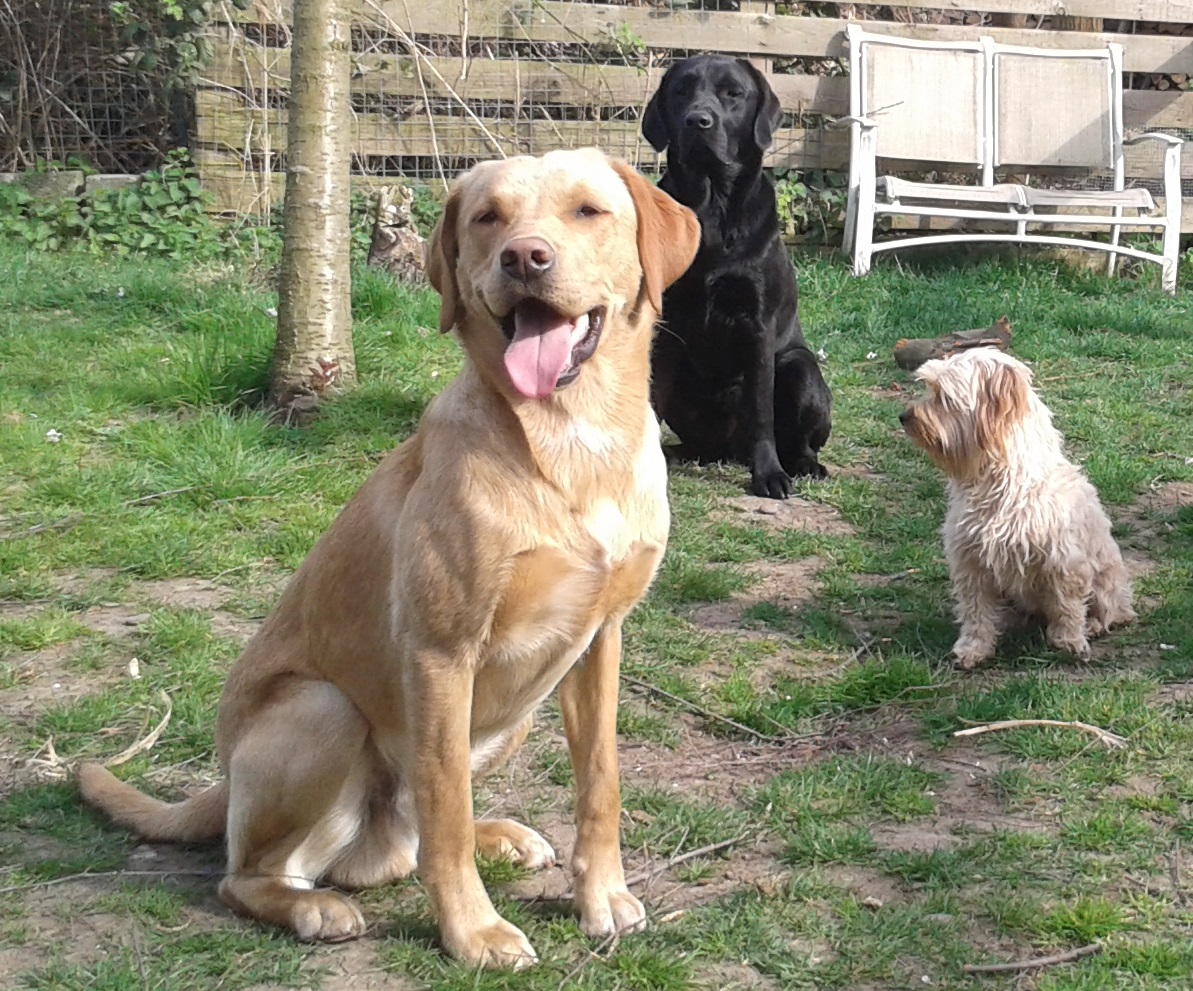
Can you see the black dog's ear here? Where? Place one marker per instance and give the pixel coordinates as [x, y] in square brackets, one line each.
[654, 119]
[770, 112]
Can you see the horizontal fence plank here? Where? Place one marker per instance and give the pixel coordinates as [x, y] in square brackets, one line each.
[262, 70]
[578, 84]
[592, 86]
[1171, 11]
[255, 193]
[611, 29]
[225, 124]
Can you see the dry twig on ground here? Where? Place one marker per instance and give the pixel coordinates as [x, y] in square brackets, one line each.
[1111, 740]
[1048, 961]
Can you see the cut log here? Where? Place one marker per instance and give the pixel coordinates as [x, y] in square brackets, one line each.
[913, 352]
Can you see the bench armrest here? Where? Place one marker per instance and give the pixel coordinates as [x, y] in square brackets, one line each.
[866, 123]
[1152, 136]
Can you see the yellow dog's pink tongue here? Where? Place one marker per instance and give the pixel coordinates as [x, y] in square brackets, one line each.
[541, 348]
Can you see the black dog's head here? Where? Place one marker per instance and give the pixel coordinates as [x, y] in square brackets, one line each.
[712, 109]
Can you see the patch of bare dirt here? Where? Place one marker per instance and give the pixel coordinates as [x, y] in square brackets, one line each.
[184, 593]
[735, 977]
[43, 679]
[864, 882]
[780, 515]
[1168, 497]
[786, 584]
[352, 967]
[68, 923]
[1149, 518]
[113, 620]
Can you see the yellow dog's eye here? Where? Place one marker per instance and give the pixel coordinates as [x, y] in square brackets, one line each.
[588, 211]
[488, 217]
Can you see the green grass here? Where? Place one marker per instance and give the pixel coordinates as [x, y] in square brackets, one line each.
[873, 849]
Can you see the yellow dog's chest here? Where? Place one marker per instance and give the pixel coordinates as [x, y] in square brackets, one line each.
[600, 564]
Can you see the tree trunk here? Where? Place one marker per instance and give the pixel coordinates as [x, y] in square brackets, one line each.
[313, 354]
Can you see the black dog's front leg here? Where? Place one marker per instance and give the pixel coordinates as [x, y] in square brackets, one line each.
[767, 475]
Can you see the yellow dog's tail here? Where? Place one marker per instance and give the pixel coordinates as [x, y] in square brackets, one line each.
[201, 817]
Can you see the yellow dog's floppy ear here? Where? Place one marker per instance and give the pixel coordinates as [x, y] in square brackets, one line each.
[442, 252]
[668, 234]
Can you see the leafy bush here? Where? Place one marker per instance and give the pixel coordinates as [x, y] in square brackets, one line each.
[165, 215]
[810, 201]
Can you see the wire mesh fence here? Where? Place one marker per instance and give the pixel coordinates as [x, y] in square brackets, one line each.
[74, 86]
[440, 84]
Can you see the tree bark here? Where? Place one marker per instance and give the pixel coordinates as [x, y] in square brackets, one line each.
[313, 354]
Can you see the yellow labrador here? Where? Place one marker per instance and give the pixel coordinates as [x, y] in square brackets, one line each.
[488, 559]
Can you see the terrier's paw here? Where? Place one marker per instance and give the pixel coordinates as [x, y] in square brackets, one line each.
[969, 653]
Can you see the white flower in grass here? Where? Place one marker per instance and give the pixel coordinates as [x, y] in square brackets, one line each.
[871, 355]
[53, 436]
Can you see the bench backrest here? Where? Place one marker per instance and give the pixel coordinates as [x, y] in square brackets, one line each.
[988, 105]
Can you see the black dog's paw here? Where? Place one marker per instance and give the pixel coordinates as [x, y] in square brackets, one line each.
[809, 467]
[771, 483]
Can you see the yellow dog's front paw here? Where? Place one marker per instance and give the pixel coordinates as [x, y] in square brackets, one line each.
[496, 945]
[612, 911]
[504, 839]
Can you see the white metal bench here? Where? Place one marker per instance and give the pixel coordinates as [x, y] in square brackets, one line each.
[991, 108]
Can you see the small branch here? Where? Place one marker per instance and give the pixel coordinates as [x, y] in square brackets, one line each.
[1110, 739]
[1176, 869]
[1049, 961]
[154, 496]
[700, 711]
[66, 522]
[85, 875]
[57, 766]
[646, 873]
[147, 741]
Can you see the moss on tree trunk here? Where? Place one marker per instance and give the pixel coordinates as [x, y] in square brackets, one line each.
[313, 354]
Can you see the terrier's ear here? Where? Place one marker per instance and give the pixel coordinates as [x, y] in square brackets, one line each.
[1003, 401]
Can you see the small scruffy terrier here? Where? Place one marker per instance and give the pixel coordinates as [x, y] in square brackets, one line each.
[1025, 531]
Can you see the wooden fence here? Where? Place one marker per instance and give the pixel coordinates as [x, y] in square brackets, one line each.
[440, 84]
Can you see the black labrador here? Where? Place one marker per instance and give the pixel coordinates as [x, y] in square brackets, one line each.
[732, 376]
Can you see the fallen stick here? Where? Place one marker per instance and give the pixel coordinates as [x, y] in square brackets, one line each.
[911, 353]
[653, 870]
[146, 742]
[53, 762]
[87, 875]
[645, 873]
[1110, 739]
[1049, 961]
[701, 711]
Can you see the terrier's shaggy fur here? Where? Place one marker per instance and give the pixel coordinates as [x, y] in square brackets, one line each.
[1025, 530]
